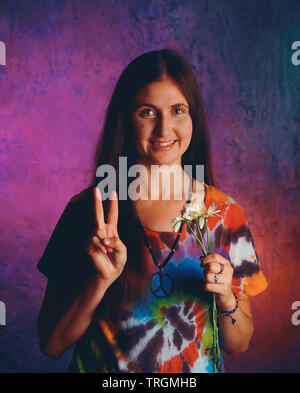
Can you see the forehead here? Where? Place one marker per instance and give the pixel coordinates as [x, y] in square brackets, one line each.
[161, 93]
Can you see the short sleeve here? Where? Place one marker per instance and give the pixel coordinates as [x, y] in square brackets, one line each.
[64, 259]
[52, 263]
[248, 278]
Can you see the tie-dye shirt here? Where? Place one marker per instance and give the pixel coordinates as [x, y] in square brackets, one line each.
[174, 334]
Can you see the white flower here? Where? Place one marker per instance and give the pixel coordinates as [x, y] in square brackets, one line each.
[212, 211]
[195, 212]
[178, 220]
[176, 223]
[198, 212]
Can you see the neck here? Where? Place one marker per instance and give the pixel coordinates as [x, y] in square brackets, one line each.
[163, 182]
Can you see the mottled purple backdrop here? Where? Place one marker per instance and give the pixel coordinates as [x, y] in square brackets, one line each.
[63, 59]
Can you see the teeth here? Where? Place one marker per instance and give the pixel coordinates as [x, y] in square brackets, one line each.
[163, 144]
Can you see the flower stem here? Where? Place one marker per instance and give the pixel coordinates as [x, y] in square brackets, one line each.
[216, 357]
[199, 241]
[206, 228]
[200, 233]
[216, 345]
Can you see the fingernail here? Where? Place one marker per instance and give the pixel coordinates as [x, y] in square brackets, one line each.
[107, 241]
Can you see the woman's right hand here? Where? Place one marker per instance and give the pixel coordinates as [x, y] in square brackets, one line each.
[106, 250]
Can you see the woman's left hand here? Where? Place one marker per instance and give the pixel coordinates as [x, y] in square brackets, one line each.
[218, 279]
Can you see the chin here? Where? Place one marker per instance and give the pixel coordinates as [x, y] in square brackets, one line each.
[163, 158]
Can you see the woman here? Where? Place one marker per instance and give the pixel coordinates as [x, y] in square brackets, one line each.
[122, 284]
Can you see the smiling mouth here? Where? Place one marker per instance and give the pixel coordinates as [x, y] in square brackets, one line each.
[163, 144]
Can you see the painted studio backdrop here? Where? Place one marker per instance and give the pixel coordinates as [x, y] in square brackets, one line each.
[60, 60]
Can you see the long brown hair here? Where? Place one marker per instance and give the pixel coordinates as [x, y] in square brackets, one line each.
[117, 140]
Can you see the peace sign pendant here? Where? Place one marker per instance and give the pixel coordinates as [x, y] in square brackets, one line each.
[162, 284]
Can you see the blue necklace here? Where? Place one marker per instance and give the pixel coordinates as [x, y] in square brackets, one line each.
[162, 283]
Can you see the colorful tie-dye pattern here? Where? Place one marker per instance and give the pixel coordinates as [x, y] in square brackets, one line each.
[174, 334]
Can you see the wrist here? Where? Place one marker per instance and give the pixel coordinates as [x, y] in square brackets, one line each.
[97, 284]
[228, 313]
[100, 283]
[226, 302]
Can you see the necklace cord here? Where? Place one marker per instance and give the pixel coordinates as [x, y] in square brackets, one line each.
[162, 265]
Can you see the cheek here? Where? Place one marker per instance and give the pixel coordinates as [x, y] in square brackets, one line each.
[141, 137]
[186, 129]
[141, 128]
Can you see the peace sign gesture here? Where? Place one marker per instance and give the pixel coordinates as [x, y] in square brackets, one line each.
[106, 250]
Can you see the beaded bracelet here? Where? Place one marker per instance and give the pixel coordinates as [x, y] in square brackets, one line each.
[228, 313]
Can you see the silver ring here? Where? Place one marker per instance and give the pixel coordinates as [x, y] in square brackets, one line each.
[222, 268]
[216, 277]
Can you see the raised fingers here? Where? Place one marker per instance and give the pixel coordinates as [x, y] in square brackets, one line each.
[98, 209]
[105, 236]
[113, 212]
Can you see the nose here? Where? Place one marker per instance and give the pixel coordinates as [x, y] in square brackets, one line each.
[163, 126]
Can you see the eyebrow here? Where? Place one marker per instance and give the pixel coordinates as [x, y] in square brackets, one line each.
[153, 106]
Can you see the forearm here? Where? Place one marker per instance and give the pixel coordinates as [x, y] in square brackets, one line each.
[236, 337]
[76, 319]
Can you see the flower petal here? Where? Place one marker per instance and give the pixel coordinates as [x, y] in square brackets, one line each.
[177, 226]
[201, 222]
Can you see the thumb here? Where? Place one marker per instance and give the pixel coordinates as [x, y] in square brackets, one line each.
[115, 244]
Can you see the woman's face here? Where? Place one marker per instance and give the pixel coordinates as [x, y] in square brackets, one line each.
[162, 123]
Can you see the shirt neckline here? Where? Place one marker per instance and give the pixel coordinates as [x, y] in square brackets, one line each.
[207, 190]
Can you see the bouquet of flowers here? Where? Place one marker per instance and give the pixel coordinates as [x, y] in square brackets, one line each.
[198, 214]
